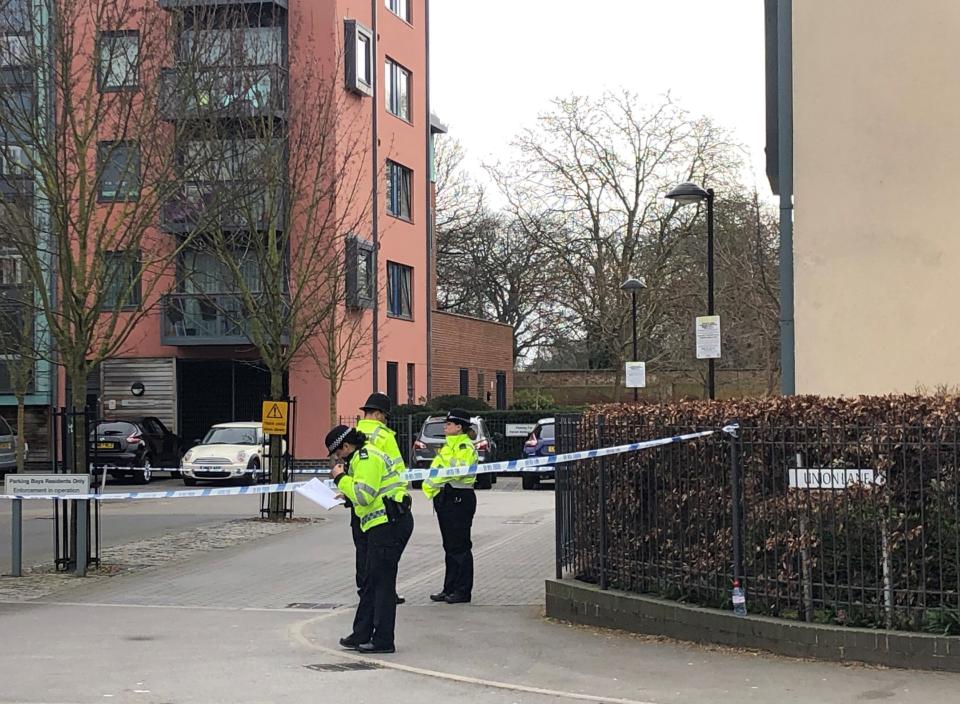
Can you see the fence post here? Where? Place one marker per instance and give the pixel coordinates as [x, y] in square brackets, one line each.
[736, 498]
[16, 534]
[603, 506]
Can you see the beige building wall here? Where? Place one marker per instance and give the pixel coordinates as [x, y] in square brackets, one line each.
[877, 195]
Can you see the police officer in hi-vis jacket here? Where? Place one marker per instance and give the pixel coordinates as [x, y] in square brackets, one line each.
[455, 502]
[381, 503]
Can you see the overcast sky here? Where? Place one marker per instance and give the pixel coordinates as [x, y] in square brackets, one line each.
[496, 64]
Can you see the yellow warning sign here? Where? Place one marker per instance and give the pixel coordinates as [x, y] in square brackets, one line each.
[275, 417]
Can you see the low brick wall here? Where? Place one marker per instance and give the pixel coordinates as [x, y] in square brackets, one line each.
[578, 602]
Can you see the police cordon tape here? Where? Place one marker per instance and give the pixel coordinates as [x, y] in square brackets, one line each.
[531, 464]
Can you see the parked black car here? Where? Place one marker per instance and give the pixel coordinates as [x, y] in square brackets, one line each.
[139, 442]
[431, 438]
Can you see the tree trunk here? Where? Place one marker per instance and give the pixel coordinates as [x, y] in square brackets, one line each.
[334, 419]
[277, 503]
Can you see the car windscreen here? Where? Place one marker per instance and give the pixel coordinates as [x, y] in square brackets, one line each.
[116, 430]
[545, 432]
[4, 428]
[433, 429]
[231, 436]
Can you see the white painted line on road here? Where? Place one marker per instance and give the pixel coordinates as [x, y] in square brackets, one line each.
[296, 631]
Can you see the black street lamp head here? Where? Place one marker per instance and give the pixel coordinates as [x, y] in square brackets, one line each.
[633, 284]
[687, 193]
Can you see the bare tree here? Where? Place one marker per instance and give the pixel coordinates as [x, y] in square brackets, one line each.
[291, 187]
[600, 168]
[88, 142]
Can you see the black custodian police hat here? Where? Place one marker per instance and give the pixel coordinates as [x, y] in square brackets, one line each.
[460, 417]
[377, 402]
[336, 437]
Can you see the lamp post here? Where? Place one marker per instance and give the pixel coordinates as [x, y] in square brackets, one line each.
[685, 194]
[633, 286]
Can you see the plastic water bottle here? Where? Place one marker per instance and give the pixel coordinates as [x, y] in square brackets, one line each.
[739, 599]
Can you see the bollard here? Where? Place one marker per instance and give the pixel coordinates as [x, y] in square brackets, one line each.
[16, 533]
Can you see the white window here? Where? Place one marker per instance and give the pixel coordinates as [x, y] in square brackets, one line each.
[14, 50]
[11, 269]
[398, 89]
[358, 57]
[401, 8]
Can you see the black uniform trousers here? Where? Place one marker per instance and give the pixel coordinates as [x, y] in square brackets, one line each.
[376, 616]
[360, 544]
[455, 510]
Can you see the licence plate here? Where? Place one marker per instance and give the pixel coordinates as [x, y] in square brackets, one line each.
[551, 449]
[6, 446]
[106, 446]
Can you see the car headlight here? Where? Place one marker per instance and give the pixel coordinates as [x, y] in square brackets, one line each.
[189, 456]
[242, 456]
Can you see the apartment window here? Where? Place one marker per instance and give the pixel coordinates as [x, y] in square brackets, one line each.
[118, 55]
[121, 279]
[464, 382]
[360, 273]
[392, 371]
[401, 8]
[397, 85]
[358, 57]
[119, 167]
[411, 383]
[249, 46]
[11, 269]
[399, 180]
[399, 291]
[501, 391]
[13, 160]
[14, 50]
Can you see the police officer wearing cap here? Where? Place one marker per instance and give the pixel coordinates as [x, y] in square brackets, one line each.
[382, 506]
[455, 503]
[374, 426]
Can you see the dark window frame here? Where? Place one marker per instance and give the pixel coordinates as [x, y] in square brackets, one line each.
[360, 254]
[353, 31]
[411, 383]
[392, 6]
[135, 300]
[399, 191]
[391, 96]
[395, 308]
[393, 381]
[109, 149]
[464, 381]
[102, 38]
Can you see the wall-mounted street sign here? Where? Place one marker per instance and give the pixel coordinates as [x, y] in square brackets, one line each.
[520, 430]
[708, 337]
[47, 484]
[274, 417]
[833, 478]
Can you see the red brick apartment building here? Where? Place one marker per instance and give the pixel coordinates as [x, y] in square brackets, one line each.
[191, 366]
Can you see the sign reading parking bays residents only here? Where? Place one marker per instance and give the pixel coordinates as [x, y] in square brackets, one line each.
[274, 417]
[47, 484]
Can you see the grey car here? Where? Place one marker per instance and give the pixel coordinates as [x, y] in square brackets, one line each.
[8, 449]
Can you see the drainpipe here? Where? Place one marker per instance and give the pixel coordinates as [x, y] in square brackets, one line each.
[375, 192]
[428, 191]
[785, 136]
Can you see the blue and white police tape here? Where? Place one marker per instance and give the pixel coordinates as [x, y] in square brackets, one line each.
[531, 464]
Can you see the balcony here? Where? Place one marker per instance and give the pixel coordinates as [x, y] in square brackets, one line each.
[230, 206]
[223, 92]
[176, 4]
[191, 319]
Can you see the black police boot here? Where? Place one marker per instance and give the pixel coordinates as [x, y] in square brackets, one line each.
[401, 600]
[457, 599]
[442, 596]
[372, 648]
[350, 643]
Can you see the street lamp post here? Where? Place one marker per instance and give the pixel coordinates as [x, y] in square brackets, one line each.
[633, 286]
[684, 194]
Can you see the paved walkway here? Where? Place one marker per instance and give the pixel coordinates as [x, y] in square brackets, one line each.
[217, 628]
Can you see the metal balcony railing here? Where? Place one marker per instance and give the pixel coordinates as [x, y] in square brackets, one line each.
[241, 206]
[174, 4]
[191, 319]
[223, 92]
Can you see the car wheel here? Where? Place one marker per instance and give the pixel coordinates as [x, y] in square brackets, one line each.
[144, 476]
[189, 481]
[417, 483]
[175, 475]
[530, 480]
[483, 482]
[251, 478]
